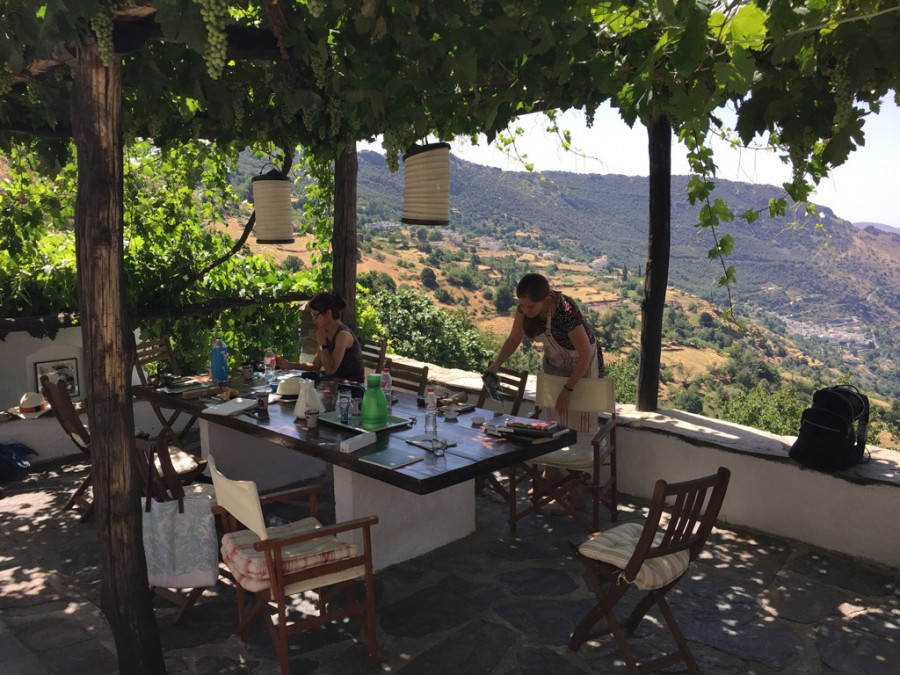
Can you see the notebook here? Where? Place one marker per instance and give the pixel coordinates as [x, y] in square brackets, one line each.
[233, 407]
[392, 458]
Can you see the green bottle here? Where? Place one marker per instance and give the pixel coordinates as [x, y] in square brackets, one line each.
[374, 404]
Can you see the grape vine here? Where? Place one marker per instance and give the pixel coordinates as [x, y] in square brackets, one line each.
[102, 25]
[316, 8]
[214, 13]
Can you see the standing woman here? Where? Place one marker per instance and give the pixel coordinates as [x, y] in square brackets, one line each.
[570, 345]
[339, 353]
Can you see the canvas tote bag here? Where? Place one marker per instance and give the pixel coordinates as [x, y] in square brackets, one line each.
[179, 539]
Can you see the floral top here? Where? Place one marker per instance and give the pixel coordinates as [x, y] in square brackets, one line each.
[567, 318]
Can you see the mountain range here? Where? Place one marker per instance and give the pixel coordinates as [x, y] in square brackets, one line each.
[818, 270]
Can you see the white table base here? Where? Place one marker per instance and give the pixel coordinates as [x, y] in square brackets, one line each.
[243, 457]
[409, 525]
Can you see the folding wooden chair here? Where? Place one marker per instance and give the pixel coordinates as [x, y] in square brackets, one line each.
[512, 385]
[652, 559]
[57, 393]
[158, 352]
[512, 390]
[284, 560]
[580, 466]
[373, 354]
[165, 483]
[408, 377]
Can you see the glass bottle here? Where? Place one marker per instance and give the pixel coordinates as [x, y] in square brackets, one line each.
[269, 364]
[430, 412]
[387, 386]
[374, 405]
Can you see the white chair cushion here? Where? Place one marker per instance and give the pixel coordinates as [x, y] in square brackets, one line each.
[249, 566]
[616, 546]
[574, 457]
[182, 461]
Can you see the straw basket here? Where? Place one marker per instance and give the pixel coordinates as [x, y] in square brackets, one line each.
[272, 201]
[426, 191]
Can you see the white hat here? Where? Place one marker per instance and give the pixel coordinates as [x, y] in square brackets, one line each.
[289, 386]
[31, 405]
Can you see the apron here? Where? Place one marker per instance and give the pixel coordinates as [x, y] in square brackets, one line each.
[561, 361]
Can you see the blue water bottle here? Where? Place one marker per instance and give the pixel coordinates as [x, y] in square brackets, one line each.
[218, 361]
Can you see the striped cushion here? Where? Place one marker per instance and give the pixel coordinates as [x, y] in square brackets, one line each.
[616, 546]
[249, 566]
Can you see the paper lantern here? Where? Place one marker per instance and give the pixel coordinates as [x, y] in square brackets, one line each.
[426, 185]
[272, 201]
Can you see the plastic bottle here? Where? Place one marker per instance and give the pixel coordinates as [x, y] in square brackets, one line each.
[374, 406]
[218, 361]
[430, 412]
[269, 363]
[387, 386]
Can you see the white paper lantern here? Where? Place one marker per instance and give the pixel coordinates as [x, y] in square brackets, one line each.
[426, 185]
[272, 201]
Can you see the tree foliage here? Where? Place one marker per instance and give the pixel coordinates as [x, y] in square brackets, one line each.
[418, 329]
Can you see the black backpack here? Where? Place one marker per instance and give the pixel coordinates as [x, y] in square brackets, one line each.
[833, 431]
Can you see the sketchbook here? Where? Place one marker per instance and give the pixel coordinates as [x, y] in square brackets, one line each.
[233, 407]
[392, 458]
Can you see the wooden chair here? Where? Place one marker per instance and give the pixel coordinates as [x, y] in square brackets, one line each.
[57, 393]
[652, 559]
[579, 466]
[373, 354]
[408, 377]
[512, 389]
[158, 352]
[302, 556]
[165, 483]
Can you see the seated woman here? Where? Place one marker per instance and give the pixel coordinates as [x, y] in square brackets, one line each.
[339, 354]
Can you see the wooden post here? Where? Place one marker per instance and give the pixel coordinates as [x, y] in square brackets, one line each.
[96, 112]
[659, 135]
[343, 239]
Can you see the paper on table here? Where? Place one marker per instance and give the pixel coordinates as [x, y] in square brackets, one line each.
[232, 407]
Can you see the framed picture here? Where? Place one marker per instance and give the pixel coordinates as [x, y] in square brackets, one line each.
[62, 369]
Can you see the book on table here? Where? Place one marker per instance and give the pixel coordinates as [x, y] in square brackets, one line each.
[525, 426]
[392, 458]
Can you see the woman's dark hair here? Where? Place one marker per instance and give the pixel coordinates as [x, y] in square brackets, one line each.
[533, 286]
[322, 302]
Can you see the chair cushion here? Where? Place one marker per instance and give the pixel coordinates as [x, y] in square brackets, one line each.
[616, 546]
[576, 457]
[182, 462]
[249, 566]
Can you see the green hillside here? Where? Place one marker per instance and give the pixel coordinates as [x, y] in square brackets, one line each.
[837, 290]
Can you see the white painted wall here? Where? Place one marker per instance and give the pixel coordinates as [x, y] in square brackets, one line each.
[854, 512]
[18, 354]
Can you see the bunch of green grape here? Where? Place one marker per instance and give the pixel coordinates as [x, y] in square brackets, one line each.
[214, 13]
[102, 25]
[393, 146]
[318, 63]
[844, 96]
[316, 7]
[475, 6]
[515, 8]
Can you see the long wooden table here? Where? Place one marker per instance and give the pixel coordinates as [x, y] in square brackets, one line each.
[420, 506]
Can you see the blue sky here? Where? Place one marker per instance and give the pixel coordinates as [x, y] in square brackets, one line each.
[864, 189]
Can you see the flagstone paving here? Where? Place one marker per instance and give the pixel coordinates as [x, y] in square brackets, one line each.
[491, 603]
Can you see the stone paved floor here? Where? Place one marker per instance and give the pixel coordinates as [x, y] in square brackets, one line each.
[491, 603]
